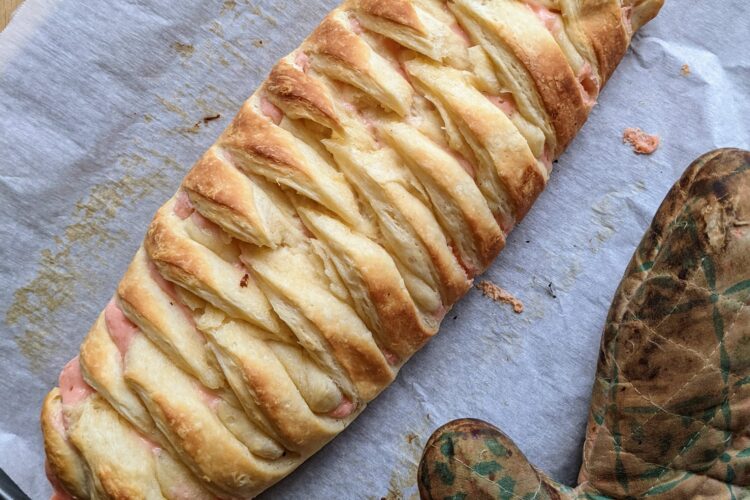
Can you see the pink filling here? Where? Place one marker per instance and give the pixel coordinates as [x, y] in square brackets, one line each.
[270, 110]
[206, 225]
[182, 492]
[368, 121]
[355, 25]
[150, 445]
[504, 101]
[73, 388]
[642, 142]
[390, 357]
[465, 164]
[182, 207]
[395, 50]
[303, 61]
[461, 33]
[345, 408]
[209, 398]
[506, 224]
[121, 329]
[550, 19]
[547, 159]
[469, 270]
[455, 27]
[166, 286]
[169, 288]
[589, 85]
[58, 492]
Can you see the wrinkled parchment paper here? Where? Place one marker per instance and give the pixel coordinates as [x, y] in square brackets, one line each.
[102, 108]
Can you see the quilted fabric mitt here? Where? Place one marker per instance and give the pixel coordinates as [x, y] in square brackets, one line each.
[670, 407]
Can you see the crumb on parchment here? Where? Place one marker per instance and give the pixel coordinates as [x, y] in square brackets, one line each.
[643, 143]
[685, 70]
[210, 118]
[494, 292]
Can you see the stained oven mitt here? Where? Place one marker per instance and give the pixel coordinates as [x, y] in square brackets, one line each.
[670, 409]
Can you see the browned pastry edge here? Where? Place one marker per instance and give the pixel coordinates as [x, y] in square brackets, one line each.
[311, 148]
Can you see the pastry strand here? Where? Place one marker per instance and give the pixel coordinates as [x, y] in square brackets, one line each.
[321, 240]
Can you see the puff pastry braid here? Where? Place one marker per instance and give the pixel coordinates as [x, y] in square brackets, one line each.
[320, 241]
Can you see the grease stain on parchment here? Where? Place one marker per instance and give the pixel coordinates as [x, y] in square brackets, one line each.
[239, 56]
[60, 273]
[607, 213]
[61, 270]
[202, 109]
[184, 49]
[217, 29]
[255, 9]
[402, 484]
[229, 5]
[173, 108]
[570, 276]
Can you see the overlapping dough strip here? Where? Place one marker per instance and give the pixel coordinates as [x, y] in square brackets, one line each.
[320, 241]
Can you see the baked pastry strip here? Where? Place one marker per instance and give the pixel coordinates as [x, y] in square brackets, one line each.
[320, 241]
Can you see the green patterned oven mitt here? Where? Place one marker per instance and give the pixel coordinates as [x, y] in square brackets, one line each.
[670, 408]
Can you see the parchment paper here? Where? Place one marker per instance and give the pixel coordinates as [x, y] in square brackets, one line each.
[101, 114]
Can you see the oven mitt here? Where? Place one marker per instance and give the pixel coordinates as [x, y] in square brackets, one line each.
[670, 409]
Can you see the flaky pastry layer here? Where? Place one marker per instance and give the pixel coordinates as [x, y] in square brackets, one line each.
[321, 240]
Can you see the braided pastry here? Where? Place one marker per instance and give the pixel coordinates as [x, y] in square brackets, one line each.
[320, 241]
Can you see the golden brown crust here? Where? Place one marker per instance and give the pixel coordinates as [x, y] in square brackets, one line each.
[398, 11]
[339, 53]
[249, 208]
[298, 428]
[63, 461]
[301, 96]
[319, 243]
[256, 145]
[121, 463]
[102, 367]
[603, 24]
[187, 417]
[409, 229]
[530, 48]
[643, 12]
[165, 322]
[449, 185]
[332, 39]
[187, 263]
[494, 139]
[254, 135]
[284, 276]
[369, 270]
[424, 27]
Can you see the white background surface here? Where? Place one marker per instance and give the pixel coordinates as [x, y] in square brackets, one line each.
[97, 106]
